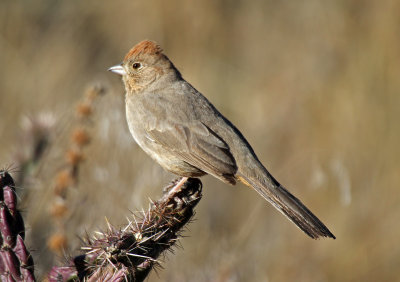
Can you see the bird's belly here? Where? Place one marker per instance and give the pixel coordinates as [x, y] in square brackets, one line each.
[157, 152]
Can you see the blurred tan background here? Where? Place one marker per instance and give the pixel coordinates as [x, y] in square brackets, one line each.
[313, 85]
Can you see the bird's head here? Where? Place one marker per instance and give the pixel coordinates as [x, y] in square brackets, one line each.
[143, 65]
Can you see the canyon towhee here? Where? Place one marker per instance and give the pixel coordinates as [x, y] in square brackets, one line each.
[181, 130]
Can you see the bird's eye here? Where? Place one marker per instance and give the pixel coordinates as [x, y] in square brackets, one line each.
[136, 65]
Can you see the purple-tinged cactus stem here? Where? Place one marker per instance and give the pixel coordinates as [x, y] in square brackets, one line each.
[16, 264]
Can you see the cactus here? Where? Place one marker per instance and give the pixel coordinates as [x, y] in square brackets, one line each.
[130, 253]
[16, 264]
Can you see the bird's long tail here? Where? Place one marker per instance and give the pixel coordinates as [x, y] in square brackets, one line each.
[288, 205]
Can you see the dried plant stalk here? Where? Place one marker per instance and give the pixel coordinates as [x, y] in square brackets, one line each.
[69, 175]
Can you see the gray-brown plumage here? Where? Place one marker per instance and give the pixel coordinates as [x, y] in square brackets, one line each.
[181, 130]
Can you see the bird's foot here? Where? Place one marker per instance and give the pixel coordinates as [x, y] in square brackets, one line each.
[177, 187]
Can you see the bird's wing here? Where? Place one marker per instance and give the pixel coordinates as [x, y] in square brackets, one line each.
[196, 144]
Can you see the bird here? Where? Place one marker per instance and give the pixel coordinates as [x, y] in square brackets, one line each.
[182, 131]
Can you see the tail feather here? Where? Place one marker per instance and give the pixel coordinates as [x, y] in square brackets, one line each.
[289, 206]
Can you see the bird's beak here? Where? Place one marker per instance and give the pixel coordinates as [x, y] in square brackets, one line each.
[118, 69]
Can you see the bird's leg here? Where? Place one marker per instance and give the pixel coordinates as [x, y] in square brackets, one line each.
[178, 185]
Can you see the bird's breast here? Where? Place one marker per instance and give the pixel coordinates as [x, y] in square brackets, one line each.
[134, 123]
